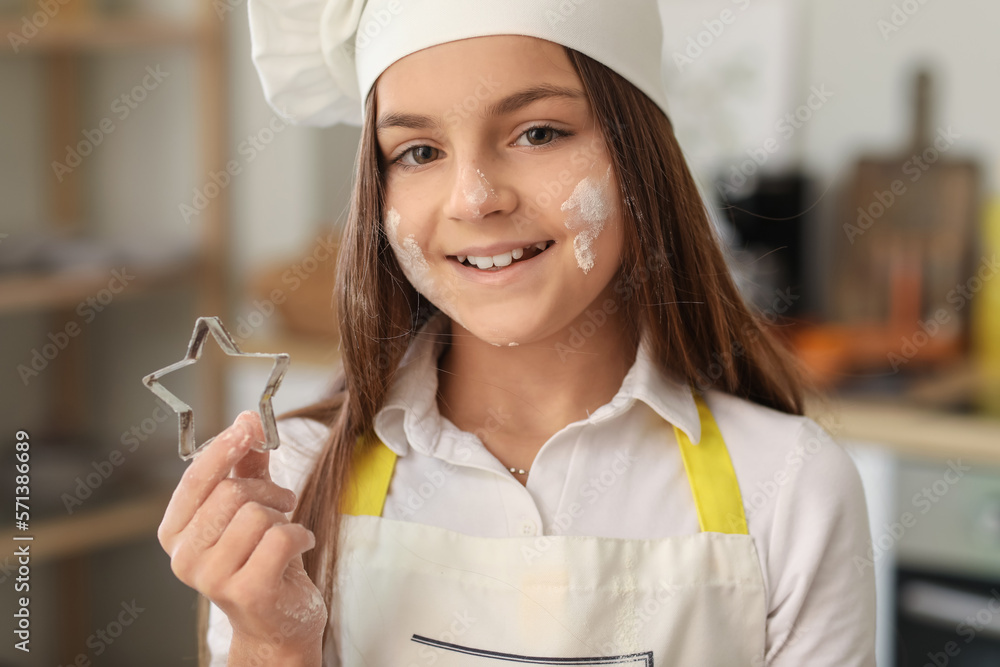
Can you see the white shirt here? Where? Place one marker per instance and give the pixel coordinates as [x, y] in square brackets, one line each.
[619, 473]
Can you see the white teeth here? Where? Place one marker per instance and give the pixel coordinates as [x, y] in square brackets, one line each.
[503, 259]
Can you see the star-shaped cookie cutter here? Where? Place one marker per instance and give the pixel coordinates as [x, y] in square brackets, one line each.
[185, 415]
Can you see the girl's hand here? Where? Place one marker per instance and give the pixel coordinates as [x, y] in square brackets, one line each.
[228, 538]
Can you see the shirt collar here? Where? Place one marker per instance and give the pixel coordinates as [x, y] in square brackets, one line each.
[410, 415]
[667, 394]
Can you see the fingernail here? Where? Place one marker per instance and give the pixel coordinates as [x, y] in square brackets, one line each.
[244, 417]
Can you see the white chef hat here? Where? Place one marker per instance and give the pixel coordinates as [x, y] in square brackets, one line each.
[318, 59]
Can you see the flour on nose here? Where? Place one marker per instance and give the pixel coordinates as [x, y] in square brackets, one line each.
[476, 197]
[486, 182]
[588, 208]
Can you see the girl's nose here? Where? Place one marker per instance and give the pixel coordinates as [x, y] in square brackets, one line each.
[473, 197]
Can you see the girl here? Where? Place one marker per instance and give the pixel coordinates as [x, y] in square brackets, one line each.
[558, 435]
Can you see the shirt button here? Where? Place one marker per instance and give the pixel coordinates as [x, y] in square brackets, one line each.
[528, 528]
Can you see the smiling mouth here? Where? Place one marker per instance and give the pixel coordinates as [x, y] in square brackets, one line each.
[497, 262]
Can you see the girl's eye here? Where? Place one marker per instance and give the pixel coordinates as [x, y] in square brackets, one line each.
[421, 155]
[540, 135]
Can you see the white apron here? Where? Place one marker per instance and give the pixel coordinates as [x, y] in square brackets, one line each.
[413, 595]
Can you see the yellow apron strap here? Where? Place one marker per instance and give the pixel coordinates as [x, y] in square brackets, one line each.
[369, 485]
[708, 466]
[713, 480]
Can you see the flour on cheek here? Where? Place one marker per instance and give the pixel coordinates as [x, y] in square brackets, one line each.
[417, 270]
[415, 267]
[411, 257]
[587, 209]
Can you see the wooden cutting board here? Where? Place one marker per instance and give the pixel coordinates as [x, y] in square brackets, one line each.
[909, 234]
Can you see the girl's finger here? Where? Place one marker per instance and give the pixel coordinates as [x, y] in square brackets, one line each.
[241, 537]
[274, 551]
[213, 464]
[228, 498]
[255, 463]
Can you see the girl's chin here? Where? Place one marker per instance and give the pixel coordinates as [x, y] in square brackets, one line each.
[496, 329]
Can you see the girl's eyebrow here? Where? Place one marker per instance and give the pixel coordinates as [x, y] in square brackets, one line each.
[507, 105]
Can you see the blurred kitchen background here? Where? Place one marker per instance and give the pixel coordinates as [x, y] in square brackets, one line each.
[851, 153]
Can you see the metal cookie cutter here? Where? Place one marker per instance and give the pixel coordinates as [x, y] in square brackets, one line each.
[187, 448]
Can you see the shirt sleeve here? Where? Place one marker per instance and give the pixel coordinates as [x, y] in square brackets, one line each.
[822, 599]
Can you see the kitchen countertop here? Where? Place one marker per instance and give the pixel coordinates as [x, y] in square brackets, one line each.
[910, 429]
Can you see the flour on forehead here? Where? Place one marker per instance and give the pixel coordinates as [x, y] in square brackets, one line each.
[587, 209]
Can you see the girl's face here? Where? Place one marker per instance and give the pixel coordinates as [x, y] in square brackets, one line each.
[501, 205]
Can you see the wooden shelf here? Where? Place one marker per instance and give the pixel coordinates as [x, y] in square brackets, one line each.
[124, 521]
[108, 34]
[27, 291]
[63, 51]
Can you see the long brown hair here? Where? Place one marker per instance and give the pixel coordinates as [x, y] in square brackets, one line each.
[673, 281]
